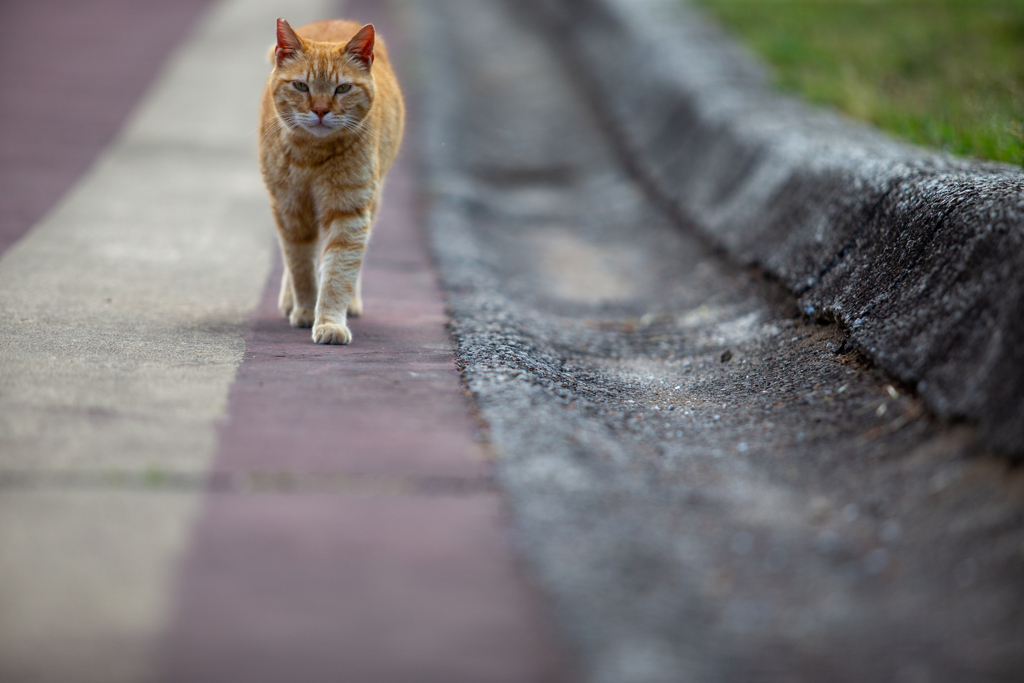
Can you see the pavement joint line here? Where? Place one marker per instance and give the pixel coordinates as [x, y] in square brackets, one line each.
[255, 482]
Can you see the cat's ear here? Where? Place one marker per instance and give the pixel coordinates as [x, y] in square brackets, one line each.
[361, 46]
[288, 42]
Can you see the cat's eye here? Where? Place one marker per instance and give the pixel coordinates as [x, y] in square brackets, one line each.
[300, 86]
[344, 87]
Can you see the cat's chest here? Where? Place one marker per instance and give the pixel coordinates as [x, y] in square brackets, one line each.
[336, 172]
[314, 189]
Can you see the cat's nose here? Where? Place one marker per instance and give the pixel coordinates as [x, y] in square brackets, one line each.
[321, 112]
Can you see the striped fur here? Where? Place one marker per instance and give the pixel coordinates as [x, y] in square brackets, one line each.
[330, 127]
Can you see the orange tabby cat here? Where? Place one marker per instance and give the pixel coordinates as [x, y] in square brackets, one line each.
[330, 127]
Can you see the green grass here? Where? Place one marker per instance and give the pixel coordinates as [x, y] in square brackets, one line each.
[944, 73]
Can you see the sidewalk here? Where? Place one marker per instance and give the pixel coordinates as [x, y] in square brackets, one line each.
[190, 490]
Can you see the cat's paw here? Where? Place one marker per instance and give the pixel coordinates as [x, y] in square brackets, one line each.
[301, 317]
[355, 307]
[330, 333]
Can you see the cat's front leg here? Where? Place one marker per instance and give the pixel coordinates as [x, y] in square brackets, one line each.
[297, 236]
[355, 305]
[300, 274]
[285, 298]
[340, 262]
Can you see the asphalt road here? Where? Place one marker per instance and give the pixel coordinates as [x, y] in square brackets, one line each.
[710, 486]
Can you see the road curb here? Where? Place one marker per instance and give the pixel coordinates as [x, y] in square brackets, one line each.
[919, 254]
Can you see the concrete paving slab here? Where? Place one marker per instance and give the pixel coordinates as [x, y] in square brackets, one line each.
[83, 577]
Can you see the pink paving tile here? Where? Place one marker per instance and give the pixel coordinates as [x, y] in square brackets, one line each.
[352, 441]
[308, 588]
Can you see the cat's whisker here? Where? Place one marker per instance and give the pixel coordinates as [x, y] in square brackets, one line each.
[270, 131]
[271, 126]
[275, 125]
[361, 128]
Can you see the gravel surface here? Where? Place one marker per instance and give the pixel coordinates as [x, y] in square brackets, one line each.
[709, 485]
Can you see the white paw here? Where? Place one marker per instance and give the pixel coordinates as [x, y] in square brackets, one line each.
[301, 317]
[329, 333]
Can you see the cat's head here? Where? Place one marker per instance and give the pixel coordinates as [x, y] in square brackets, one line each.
[323, 89]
